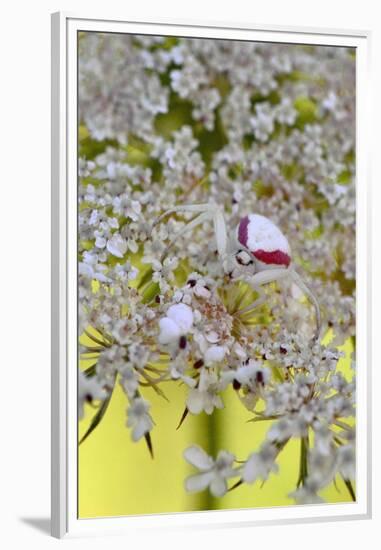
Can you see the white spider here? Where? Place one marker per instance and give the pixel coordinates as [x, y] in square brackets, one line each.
[256, 252]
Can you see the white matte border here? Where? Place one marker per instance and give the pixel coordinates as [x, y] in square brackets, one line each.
[64, 274]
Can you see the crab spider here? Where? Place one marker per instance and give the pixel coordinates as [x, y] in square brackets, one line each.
[257, 251]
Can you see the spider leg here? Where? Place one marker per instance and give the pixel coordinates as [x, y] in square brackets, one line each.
[205, 211]
[272, 275]
[197, 208]
[201, 218]
[267, 276]
[258, 280]
[220, 232]
[310, 295]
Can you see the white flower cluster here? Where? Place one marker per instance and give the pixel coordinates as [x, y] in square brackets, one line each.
[261, 128]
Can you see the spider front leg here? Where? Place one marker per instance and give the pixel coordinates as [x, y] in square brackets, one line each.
[273, 275]
[206, 212]
[259, 279]
[311, 296]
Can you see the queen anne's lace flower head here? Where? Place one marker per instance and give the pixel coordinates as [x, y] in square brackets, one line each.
[266, 133]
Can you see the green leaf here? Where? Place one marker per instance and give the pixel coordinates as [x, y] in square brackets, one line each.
[307, 111]
[179, 113]
[210, 141]
[273, 97]
[345, 177]
[145, 278]
[150, 292]
[91, 148]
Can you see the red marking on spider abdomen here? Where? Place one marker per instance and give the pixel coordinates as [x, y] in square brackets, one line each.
[243, 231]
[276, 257]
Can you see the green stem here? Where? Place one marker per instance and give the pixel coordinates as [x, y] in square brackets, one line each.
[303, 464]
[150, 292]
[349, 486]
[103, 344]
[213, 426]
[145, 278]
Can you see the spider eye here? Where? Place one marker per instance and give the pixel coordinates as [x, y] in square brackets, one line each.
[243, 258]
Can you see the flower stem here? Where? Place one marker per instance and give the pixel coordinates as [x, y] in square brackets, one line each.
[349, 486]
[303, 465]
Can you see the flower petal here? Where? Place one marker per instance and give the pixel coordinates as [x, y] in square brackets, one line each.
[195, 401]
[169, 331]
[198, 482]
[143, 426]
[214, 354]
[198, 458]
[250, 470]
[182, 315]
[218, 486]
[117, 246]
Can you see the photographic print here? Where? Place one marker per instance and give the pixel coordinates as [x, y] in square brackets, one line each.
[216, 274]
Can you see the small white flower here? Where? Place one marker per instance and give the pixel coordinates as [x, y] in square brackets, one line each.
[124, 328]
[129, 208]
[139, 355]
[129, 379]
[285, 112]
[282, 430]
[100, 242]
[169, 331]
[198, 286]
[214, 473]
[253, 374]
[117, 246]
[92, 269]
[214, 354]
[260, 465]
[263, 121]
[178, 322]
[89, 390]
[323, 439]
[182, 315]
[138, 418]
[322, 468]
[212, 337]
[205, 397]
[307, 494]
[346, 461]
[329, 103]
[126, 272]
[162, 271]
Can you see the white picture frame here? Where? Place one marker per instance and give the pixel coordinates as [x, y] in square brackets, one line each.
[64, 275]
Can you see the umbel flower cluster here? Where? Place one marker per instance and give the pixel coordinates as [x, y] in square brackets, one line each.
[254, 128]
